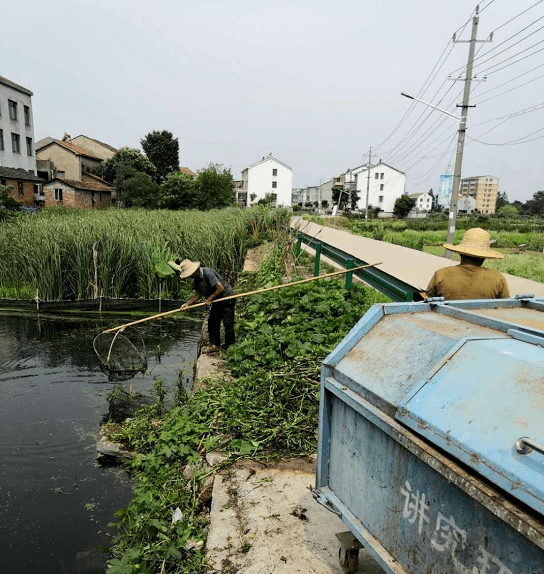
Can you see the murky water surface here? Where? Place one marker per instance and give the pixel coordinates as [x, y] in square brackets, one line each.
[55, 501]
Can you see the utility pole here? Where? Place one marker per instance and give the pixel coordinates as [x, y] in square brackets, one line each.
[368, 182]
[462, 130]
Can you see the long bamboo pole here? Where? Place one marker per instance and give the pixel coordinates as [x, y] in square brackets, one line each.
[238, 296]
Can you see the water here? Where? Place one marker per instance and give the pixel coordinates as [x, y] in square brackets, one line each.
[55, 501]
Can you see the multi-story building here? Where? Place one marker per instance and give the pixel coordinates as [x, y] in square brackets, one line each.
[424, 200]
[17, 154]
[484, 189]
[385, 185]
[266, 178]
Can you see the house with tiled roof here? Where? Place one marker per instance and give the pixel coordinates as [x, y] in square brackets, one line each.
[187, 171]
[98, 148]
[68, 158]
[91, 192]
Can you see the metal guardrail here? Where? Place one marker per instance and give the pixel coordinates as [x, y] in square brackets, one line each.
[394, 288]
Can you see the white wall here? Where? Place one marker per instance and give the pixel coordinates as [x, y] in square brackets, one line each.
[260, 177]
[424, 202]
[393, 183]
[7, 157]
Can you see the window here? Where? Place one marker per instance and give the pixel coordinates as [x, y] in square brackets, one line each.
[28, 146]
[16, 143]
[381, 198]
[2, 140]
[20, 188]
[12, 110]
[381, 186]
[377, 176]
[274, 184]
[381, 175]
[3, 181]
[58, 194]
[274, 172]
[27, 116]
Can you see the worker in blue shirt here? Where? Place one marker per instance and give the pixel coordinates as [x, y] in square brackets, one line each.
[209, 284]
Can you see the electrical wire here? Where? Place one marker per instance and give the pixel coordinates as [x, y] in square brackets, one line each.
[512, 80]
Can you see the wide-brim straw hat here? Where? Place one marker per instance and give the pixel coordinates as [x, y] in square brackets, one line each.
[475, 243]
[186, 268]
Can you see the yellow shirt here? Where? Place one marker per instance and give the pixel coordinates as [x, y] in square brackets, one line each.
[468, 282]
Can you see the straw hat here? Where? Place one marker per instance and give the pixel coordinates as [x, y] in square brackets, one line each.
[475, 243]
[186, 268]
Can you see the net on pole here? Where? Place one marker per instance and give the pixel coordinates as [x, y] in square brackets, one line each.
[121, 356]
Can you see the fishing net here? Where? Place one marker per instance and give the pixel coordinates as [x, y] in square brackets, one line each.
[121, 355]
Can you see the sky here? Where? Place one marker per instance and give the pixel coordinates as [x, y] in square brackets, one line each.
[317, 83]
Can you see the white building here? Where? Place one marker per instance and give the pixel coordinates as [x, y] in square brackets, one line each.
[385, 185]
[268, 177]
[466, 204]
[16, 127]
[424, 201]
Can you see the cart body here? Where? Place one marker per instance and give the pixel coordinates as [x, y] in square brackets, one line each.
[422, 409]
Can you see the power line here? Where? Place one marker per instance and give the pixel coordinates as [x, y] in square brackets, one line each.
[511, 90]
[488, 73]
[511, 142]
[512, 80]
[424, 88]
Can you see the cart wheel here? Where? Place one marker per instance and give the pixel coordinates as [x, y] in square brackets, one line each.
[349, 559]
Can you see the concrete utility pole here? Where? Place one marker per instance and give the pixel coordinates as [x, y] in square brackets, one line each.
[462, 129]
[368, 182]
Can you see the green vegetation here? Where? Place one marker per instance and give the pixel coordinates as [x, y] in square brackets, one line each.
[268, 410]
[76, 254]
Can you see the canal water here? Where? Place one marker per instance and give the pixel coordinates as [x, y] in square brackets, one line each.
[55, 501]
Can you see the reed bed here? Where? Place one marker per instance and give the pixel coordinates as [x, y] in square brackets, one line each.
[62, 254]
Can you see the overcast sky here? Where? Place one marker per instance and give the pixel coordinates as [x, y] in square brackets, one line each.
[317, 83]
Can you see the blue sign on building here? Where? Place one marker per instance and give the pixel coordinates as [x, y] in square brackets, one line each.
[444, 190]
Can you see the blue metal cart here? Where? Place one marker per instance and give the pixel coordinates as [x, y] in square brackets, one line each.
[431, 435]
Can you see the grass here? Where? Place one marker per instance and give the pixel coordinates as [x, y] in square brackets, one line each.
[80, 254]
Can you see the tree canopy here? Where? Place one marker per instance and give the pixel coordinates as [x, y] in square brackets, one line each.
[178, 191]
[125, 158]
[214, 187]
[162, 149]
[403, 205]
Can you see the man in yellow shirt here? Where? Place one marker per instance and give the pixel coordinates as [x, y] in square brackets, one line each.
[470, 280]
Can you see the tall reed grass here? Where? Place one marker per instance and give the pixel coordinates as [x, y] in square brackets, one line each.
[54, 251]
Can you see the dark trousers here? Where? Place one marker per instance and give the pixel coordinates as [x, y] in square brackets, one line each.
[221, 312]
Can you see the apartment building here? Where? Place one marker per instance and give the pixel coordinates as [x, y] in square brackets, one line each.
[17, 153]
[484, 189]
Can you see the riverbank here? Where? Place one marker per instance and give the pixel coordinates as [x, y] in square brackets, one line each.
[262, 406]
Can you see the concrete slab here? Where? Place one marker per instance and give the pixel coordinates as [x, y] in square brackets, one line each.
[264, 520]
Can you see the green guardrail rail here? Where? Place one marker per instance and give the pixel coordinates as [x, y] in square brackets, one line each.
[394, 288]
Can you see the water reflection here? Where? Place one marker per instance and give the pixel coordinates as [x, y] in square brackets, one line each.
[54, 500]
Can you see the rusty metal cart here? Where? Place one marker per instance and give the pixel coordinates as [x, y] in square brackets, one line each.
[431, 435]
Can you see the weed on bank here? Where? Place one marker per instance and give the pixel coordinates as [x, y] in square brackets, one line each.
[267, 409]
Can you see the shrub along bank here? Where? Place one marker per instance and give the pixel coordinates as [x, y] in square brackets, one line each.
[269, 409]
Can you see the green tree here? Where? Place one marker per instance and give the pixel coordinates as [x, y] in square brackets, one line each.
[508, 211]
[502, 199]
[178, 191]
[136, 189]
[162, 149]
[214, 187]
[535, 206]
[125, 158]
[403, 205]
